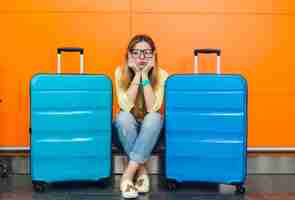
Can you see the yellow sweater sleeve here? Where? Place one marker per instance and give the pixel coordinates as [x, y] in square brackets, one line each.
[124, 102]
[159, 92]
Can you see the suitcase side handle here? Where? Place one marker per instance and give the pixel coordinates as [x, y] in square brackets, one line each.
[207, 51]
[70, 49]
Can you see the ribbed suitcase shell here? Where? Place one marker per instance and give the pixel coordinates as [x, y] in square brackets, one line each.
[71, 119]
[206, 128]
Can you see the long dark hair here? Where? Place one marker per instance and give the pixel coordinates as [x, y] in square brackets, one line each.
[128, 73]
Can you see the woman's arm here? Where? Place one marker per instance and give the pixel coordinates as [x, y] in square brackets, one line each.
[148, 92]
[133, 88]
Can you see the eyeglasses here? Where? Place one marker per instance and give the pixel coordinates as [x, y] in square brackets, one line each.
[147, 53]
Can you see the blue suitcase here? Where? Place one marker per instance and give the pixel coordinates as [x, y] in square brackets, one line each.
[71, 117]
[206, 127]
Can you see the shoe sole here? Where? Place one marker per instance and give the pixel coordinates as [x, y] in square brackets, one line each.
[129, 196]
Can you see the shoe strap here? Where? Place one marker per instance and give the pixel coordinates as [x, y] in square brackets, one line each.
[127, 186]
[141, 179]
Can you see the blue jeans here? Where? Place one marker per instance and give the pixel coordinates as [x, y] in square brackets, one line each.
[138, 138]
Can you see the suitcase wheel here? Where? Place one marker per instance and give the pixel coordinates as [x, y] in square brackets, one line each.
[3, 171]
[240, 189]
[103, 183]
[40, 186]
[171, 185]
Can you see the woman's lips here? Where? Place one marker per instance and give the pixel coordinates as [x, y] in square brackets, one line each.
[142, 63]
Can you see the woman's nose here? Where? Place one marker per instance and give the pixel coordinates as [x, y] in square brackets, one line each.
[141, 56]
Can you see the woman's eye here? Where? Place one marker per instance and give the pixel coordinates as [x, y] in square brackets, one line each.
[148, 52]
[135, 52]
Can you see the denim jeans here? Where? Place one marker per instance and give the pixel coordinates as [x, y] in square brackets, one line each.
[138, 138]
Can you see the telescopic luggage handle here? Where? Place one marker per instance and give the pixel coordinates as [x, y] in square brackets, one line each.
[207, 51]
[70, 49]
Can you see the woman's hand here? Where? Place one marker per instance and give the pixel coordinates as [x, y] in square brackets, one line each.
[132, 65]
[148, 67]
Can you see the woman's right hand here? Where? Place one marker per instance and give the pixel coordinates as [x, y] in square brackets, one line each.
[131, 63]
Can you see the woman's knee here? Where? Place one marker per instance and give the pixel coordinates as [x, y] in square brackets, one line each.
[125, 120]
[153, 119]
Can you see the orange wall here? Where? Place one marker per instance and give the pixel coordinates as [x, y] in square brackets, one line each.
[256, 38]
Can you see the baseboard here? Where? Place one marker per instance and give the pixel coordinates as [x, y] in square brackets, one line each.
[258, 164]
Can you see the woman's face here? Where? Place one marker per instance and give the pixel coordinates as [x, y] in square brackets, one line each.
[141, 54]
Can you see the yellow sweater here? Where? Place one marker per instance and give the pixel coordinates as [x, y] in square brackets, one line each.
[126, 104]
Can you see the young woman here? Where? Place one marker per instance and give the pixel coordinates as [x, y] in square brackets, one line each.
[140, 90]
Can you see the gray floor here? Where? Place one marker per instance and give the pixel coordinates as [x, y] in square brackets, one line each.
[262, 187]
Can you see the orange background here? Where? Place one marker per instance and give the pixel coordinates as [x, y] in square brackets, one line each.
[256, 38]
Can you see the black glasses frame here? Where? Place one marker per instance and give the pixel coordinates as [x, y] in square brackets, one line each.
[147, 53]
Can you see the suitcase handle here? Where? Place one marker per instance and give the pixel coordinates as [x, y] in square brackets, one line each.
[207, 51]
[70, 49]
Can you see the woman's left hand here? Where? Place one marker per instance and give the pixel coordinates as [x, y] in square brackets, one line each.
[148, 67]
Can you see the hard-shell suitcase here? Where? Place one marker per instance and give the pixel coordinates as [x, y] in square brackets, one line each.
[71, 117]
[206, 127]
